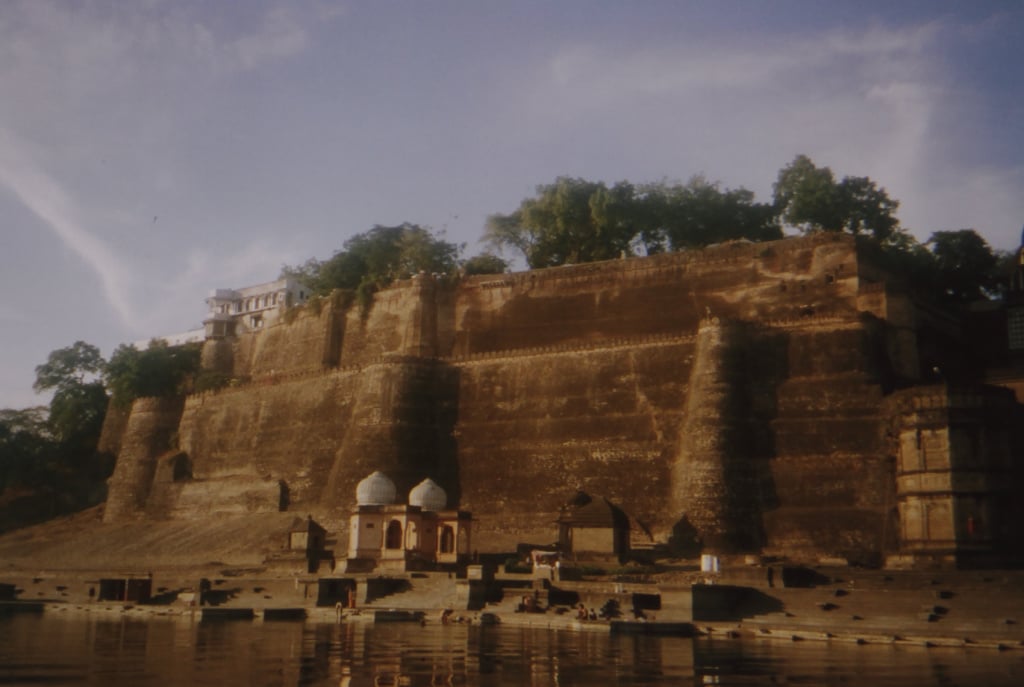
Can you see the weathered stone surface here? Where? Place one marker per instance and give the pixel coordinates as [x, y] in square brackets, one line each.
[766, 431]
[148, 434]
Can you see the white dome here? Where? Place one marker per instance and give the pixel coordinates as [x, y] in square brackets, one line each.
[375, 490]
[428, 496]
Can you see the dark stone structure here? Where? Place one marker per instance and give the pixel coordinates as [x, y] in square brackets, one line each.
[748, 395]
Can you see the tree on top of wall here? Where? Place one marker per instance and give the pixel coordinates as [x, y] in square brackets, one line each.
[810, 198]
[159, 370]
[965, 266]
[485, 263]
[700, 213]
[574, 221]
[376, 258]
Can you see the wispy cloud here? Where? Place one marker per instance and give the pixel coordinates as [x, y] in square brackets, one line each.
[280, 35]
[864, 101]
[84, 83]
[44, 196]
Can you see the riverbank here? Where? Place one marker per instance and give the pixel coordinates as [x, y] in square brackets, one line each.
[964, 609]
[60, 567]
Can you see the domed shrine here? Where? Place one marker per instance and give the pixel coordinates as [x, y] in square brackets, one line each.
[419, 535]
[376, 490]
[429, 496]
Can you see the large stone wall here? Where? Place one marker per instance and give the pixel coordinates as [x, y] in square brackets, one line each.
[534, 427]
[764, 431]
[664, 294]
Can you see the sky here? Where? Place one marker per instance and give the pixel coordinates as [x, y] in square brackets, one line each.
[153, 150]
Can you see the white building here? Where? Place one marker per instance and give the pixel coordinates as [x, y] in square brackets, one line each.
[420, 535]
[231, 311]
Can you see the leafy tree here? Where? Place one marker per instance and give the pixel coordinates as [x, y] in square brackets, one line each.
[867, 208]
[26, 447]
[569, 221]
[965, 266]
[69, 366]
[378, 257]
[700, 213]
[160, 370]
[809, 197]
[573, 220]
[79, 400]
[485, 263]
[76, 414]
[904, 258]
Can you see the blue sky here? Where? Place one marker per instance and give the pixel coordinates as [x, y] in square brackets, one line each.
[153, 150]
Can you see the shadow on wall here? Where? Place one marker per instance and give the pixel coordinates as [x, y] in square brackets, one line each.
[724, 602]
[767, 369]
[685, 541]
[285, 498]
[446, 408]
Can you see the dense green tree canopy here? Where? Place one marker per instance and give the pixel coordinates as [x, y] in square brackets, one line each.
[965, 266]
[699, 213]
[575, 220]
[569, 221]
[808, 197]
[76, 413]
[485, 263]
[68, 367]
[159, 370]
[376, 258]
[79, 400]
[26, 447]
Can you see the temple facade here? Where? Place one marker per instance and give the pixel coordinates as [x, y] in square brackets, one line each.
[418, 535]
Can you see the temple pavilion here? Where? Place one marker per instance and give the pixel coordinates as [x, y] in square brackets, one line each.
[422, 534]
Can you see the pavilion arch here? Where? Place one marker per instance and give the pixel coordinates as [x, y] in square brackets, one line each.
[393, 538]
[446, 543]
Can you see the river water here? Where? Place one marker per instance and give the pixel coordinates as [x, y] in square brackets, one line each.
[54, 649]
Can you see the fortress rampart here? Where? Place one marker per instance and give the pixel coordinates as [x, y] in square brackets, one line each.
[735, 395]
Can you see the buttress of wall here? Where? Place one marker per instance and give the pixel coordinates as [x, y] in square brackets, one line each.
[148, 434]
[307, 340]
[114, 424]
[831, 477]
[401, 320]
[810, 276]
[898, 311]
[536, 426]
[286, 431]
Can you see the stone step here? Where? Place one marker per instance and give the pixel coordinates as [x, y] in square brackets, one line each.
[427, 592]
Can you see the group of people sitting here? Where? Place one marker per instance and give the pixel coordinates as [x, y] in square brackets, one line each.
[583, 614]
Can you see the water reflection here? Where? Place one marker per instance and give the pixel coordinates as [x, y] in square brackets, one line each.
[118, 651]
[753, 662]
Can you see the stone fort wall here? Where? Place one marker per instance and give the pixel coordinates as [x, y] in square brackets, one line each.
[731, 390]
